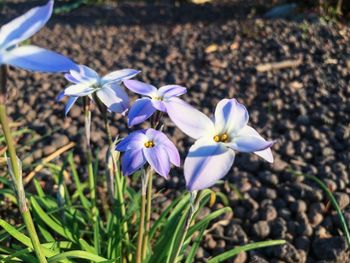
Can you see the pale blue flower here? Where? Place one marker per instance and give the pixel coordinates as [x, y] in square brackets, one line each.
[156, 99]
[212, 155]
[85, 82]
[30, 57]
[148, 146]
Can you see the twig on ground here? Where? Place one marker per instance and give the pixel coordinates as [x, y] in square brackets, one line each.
[279, 65]
[47, 159]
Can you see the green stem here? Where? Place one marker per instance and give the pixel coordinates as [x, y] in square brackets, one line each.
[195, 198]
[114, 173]
[148, 212]
[91, 177]
[142, 218]
[18, 184]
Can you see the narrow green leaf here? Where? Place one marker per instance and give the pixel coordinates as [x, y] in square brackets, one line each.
[78, 254]
[177, 216]
[80, 189]
[84, 245]
[334, 202]
[53, 224]
[235, 251]
[191, 255]
[207, 220]
[22, 238]
[38, 188]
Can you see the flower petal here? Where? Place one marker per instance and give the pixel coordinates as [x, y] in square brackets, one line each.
[60, 96]
[140, 111]
[169, 91]
[70, 103]
[159, 105]
[140, 87]
[83, 74]
[81, 89]
[114, 97]
[206, 163]
[230, 116]
[191, 121]
[70, 78]
[37, 59]
[162, 140]
[158, 158]
[249, 140]
[24, 26]
[265, 154]
[133, 141]
[120, 75]
[132, 160]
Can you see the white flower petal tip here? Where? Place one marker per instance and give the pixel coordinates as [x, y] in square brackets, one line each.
[119, 75]
[266, 154]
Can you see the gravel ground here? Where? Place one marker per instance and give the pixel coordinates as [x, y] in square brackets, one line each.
[214, 51]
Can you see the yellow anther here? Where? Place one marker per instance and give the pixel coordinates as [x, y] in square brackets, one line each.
[224, 137]
[149, 144]
[221, 137]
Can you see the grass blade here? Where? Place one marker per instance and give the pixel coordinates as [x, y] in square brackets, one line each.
[78, 254]
[334, 202]
[233, 252]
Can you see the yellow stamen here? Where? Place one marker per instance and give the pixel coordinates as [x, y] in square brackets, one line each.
[224, 137]
[221, 138]
[149, 144]
[216, 138]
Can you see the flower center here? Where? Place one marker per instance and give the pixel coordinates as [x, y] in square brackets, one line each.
[221, 137]
[158, 98]
[149, 144]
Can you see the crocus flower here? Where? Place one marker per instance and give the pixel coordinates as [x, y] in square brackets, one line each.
[212, 155]
[30, 57]
[150, 146]
[156, 99]
[107, 88]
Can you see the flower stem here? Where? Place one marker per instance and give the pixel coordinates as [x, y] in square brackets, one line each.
[114, 173]
[194, 201]
[17, 176]
[142, 217]
[148, 212]
[91, 177]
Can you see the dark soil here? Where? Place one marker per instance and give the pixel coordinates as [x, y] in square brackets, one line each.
[306, 109]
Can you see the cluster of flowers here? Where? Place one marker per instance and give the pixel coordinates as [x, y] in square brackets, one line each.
[217, 139]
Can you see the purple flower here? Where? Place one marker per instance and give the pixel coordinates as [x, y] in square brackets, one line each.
[150, 146]
[212, 155]
[157, 99]
[30, 57]
[107, 88]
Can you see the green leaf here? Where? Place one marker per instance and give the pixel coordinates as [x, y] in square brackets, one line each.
[84, 245]
[20, 254]
[334, 202]
[235, 251]
[177, 216]
[191, 255]
[78, 254]
[80, 189]
[22, 238]
[38, 188]
[207, 220]
[49, 221]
